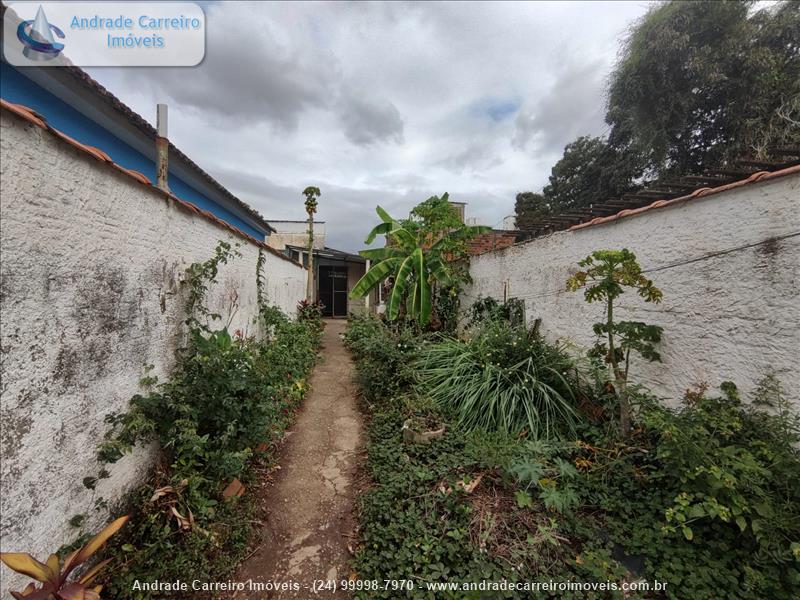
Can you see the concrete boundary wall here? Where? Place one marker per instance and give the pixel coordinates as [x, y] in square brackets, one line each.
[729, 267]
[90, 291]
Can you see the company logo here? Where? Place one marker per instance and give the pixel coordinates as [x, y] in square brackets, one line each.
[103, 34]
[37, 37]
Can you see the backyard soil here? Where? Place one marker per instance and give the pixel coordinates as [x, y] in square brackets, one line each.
[308, 520]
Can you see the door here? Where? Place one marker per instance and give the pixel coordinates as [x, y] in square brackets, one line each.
[333, 290]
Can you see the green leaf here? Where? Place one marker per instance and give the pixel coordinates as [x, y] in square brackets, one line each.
[377, 254]
[437, 269]
[385, 216]
[763, 509]
[687, 532]
[380, 229]
[374, 276]
[412, 302]
[406, 238]
[524, 499]
[742, 523]
[399, 289]
[424, 309]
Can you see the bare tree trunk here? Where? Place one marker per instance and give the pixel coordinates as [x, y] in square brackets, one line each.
[620, 379]
[310, 286]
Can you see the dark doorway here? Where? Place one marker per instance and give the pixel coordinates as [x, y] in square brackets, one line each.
[333, 290]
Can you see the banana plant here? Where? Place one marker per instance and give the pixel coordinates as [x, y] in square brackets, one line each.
[414, 266]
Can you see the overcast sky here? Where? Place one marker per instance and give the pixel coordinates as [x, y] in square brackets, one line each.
[385, 103]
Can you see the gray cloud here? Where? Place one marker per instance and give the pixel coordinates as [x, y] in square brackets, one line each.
[265, 80]
[272, 79]
[477, 156]
[573, 106]
[385, 103]
[366, 121]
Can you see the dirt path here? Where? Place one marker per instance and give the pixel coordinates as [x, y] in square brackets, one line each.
[309, 506]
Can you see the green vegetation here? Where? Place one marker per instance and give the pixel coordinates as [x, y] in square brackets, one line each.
[697, 85]
[310, 313]
[606, 274]
[384, 354]
[504, 378]
[489, 309]
[228, 400]
[422, 253]
[702, 498]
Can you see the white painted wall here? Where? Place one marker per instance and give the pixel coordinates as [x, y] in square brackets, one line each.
[90, 290]
[731, 317]
[295, 233]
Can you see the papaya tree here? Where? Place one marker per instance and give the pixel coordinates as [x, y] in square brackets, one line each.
[414, 261]
[311, 193]
[604, 276]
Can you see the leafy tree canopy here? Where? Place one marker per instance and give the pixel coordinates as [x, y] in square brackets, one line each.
[434, 217]
[530, 209]
[699, 83]
[590, 171]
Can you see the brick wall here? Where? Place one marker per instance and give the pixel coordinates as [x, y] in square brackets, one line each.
[491, 240]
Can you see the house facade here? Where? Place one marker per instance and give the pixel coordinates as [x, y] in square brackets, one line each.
[336, 272]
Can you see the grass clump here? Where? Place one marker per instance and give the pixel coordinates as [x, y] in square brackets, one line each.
[504, 377]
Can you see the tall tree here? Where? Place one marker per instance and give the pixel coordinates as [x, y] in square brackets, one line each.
[311, 193]
[433, 218]
[591, 171]
[437, 220]
[530, 209]
[700, 83]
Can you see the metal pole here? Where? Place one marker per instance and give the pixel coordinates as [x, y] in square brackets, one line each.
[162, 148]
[310, 286]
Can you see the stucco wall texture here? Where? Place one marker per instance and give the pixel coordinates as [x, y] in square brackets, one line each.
[90, 291]
[729, 317]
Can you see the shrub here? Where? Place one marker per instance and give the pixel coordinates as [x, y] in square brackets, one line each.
[310, 311]
[384, 356]
[489, 309]
[705, 495]
[220, 403]
[228, 395]
[736, 464]
[504, 378]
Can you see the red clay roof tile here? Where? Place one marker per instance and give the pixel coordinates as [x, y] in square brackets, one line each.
[700, 193]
